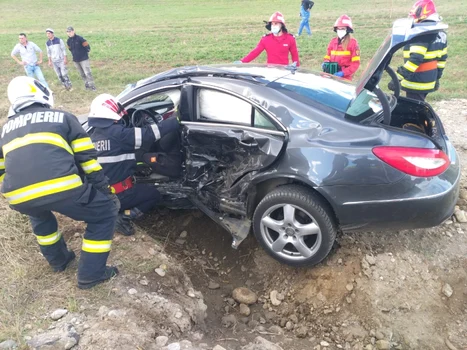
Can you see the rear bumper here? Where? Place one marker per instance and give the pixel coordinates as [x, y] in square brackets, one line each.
[408, 204]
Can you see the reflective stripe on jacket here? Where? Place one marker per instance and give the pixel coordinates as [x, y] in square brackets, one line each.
[44, 154]
[116, 144]
[424, 62]
[348, 59]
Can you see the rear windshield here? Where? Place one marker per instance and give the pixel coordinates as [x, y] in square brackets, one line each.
[321, 88]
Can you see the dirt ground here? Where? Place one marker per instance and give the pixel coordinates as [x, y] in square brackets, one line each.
[391, 290]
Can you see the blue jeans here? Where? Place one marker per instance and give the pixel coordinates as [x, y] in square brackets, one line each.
[33, 69]
[305, 22]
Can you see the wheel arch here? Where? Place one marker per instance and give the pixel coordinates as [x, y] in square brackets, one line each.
[258, 190]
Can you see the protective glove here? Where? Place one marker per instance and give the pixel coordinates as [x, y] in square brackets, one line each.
[105, 188]
[391, 85]
[339, 74]
[323, 66]
[238, 62]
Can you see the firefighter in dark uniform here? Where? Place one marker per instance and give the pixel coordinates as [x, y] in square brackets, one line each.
[116, 144]
[48, 163]
[424, 59]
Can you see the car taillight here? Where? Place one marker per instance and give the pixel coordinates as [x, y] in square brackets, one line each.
[423, 162]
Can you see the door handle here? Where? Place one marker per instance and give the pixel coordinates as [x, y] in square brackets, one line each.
[249, 142]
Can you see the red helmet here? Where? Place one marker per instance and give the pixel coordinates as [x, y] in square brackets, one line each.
[422, 9]
[344, 21]
[276, 17]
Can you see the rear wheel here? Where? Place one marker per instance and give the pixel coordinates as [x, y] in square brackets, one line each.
[294, 226]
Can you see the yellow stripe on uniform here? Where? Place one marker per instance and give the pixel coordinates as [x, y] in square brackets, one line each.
[49, 239]
[418, 86]
[90, 166]
[2, 163]
[43, 189]
[327, 57]
[441, 64]
[340, 53]
[1, 178]
[418, 49]
[410, 66]
[355, 58]
[40, 137]
[96, 246]
[82, 144]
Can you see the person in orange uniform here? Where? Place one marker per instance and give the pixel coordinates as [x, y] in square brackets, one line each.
[278, 44]
[343, 49]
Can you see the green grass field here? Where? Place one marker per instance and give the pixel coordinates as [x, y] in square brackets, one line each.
[131, 40]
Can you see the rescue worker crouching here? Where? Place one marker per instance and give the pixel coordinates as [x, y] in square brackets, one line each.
[343, 54]
[48, 163]
[425, 58]
[116, 144]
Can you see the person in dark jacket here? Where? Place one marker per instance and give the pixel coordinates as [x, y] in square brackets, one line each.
[305, 9]
[80, 48]
[48, 163]
[116, 144]
[424, 59]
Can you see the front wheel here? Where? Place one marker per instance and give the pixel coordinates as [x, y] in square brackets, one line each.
[294, 226]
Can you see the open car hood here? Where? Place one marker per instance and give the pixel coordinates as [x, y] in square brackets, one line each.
[403, 31]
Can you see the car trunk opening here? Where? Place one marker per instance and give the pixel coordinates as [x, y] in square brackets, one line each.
[418, 117]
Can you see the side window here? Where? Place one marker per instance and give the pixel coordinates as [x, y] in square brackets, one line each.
[221, 107]
[263, 122]
[217, 106]
[160, 102]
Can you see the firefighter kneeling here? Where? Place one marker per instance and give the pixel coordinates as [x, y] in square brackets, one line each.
[116, 144]
[48, 163]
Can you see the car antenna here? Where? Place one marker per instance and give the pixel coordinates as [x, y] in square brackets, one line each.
[292, 67]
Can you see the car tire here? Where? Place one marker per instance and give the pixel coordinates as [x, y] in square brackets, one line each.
[295, 226]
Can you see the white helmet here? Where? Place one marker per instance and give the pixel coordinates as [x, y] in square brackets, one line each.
[24, 91]
[105, 106]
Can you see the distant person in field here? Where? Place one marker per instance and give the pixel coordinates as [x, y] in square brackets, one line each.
[343, 55]
[27, 50]
[56, 52]
[278, 44]
[80, 48]
[305, 9]
[425, 58]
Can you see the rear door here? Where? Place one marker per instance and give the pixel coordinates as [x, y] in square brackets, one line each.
[226, 137]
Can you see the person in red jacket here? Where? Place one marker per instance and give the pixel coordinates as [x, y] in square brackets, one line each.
[343, 50]
[278, 44]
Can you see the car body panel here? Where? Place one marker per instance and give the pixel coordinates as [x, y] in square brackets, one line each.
[312, 142]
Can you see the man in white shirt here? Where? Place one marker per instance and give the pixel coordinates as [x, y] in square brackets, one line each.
[27, 50]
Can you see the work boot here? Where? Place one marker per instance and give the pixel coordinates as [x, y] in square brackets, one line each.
[70, 257]
[124, 225]
[110, 271]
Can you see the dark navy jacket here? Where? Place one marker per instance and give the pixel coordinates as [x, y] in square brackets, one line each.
[116, 144]
[79, 48]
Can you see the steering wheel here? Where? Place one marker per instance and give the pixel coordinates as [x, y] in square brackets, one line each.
[395, 80]
[139, 118]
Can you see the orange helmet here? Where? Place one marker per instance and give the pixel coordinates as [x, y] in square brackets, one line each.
[422, 9]
[276, 17]
[344, 21]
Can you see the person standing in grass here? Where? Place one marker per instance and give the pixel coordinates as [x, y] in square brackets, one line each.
[278, 44]
[305, 15]
[57, 57]
[27, 50]
[80, 48]
[343, 51]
